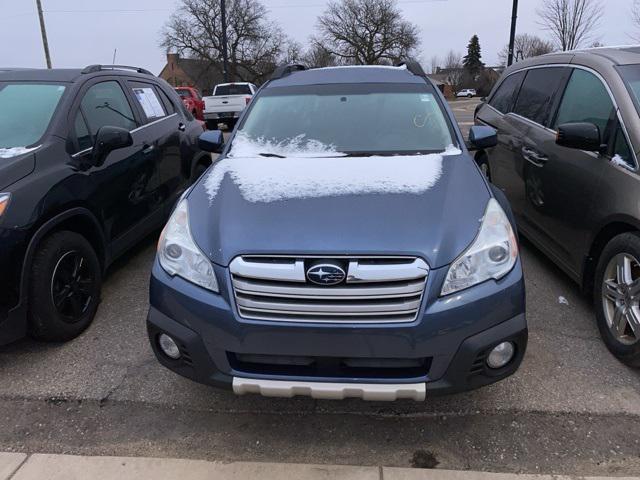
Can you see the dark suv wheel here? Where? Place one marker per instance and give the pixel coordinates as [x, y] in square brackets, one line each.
[64, 287]
[617, 297]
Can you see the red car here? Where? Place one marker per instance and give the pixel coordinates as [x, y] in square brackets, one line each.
[192, 100]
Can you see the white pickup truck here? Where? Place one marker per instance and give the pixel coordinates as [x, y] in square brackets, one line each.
[227, 103]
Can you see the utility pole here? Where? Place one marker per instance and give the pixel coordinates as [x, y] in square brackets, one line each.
[512, 38]
[225, 55]
[43, 30]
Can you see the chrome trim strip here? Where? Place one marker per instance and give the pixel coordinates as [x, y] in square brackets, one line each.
[353, 293]
[141, 127]
[288, 272]
[387, 273]
[331, 391]
[329, 308]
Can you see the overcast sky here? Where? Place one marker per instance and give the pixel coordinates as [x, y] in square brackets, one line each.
[83, 32]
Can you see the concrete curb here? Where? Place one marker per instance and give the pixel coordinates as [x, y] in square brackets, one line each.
[18, 466]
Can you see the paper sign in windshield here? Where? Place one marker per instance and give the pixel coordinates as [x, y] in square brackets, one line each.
[149, 102]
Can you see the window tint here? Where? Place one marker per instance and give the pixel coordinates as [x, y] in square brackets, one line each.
[537, 93]
[148, 99]
[168, 104]
[585, 100]
[621, 151]
[106, 104]
[504, 97]
[232, 90]
[82, 132]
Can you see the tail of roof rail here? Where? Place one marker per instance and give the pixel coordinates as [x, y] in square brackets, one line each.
[284, 70]
[99, 68]
[413, 66]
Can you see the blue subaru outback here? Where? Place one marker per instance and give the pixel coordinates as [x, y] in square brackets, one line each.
[344, 244]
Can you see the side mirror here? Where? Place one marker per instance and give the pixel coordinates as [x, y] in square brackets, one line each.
[581, 136]
[109, 139]
[481, 137]
[211, 141]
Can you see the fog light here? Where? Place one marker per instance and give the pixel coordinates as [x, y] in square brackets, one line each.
[501, 355]
[169, 346]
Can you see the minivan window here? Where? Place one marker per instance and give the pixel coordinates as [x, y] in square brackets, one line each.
[352, 118]
[232, 90]
[82, 132]
[106, 104]
[25, 111]
[573, 108]
[631, 76]
[621, 150]
[504, 97]
[538, 92]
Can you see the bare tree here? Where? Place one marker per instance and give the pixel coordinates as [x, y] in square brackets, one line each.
[635, 15]
[317, 57]
[526, 46]
[454, 70]
[434, 64]
[366, 32]
[572, 23]
[255, 44]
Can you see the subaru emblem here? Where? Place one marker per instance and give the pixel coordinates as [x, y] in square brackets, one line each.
[326, 274]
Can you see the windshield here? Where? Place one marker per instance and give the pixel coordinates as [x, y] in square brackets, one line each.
[232, 90]
[25, 112]
[348, 118]
[184, 93]
[631, 76]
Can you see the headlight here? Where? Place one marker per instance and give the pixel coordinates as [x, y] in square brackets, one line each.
[4, 202]
[491, 256]
[179, 255]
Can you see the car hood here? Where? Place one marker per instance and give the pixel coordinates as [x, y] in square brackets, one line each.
[346, 206]
[15, 163]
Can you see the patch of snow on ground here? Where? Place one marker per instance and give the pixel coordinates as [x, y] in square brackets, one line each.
[15, 151]
[263, 179]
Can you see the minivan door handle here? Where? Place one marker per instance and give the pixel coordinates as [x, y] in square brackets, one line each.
[534, 157]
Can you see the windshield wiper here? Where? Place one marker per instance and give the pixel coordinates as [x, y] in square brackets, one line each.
[271, 155]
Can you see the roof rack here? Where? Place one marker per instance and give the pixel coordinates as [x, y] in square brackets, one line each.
[99, 68]
[413, 66]
[284, 70]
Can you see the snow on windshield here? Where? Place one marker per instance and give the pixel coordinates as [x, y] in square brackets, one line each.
[15, 151]
[300, 146]
[303, 174]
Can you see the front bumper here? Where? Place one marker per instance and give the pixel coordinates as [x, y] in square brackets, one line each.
[454, 333]
[222, 116]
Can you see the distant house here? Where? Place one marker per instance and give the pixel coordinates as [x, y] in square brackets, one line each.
[191, 72]
[443, 82]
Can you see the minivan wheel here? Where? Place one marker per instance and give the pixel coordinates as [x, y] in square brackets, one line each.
[64, 287]
[617, 297]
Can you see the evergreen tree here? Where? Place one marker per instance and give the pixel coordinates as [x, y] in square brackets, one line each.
[472, 61]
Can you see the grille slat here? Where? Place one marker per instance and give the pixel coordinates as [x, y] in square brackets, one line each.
[376, 290]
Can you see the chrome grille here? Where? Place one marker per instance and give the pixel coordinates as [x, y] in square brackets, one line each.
[376, 290]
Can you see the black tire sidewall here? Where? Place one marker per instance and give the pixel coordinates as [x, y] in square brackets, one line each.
[45, 322]
[623, 243]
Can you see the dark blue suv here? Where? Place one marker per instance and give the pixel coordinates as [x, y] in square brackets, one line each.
[344, 244]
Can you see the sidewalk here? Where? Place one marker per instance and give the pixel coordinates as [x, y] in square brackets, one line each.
[18, 466]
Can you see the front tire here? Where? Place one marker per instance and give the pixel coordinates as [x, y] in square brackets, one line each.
[64, 287]
[617, 297]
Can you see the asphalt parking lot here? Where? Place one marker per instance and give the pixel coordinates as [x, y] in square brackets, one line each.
[572, 408]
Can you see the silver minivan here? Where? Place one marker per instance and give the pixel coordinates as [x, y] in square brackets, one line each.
[567, 159]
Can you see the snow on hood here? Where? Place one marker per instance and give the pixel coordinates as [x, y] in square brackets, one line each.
[15, 151]
[315, 170]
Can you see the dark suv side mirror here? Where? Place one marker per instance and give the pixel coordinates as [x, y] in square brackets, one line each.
[481, 137]
[109, 139]
[581, 136]
[211, 141]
